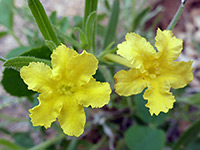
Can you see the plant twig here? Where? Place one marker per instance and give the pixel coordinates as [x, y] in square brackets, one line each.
[177, 15]
[2, 59]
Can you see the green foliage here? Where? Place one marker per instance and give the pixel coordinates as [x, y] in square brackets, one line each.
[125, 123]
[9, 145]
[18, 62]
[188, 136]
[43, 21]
[13, 84]
[23, 139]
[139, 17]
[144, 138]
[6, 14]
[90, 29]
[112, 26]
[2, 34]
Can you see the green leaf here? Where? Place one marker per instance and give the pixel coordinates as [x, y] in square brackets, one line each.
[13, 84]
[189, 135]
[68, 39]
[82, 36]
[18, 62]
[50, 44]
[39, 52]
[2, 34]
[144, 138]
[78, 21]
[10, 145]
[143, 112]
[63, 24]
[194, 144]
[53, 17]
[90, 30]
[17, 51]
[6, 14]
[106, 3]
[23, 139]
[112, 25]
[90, 6]
[43, 21]
[192, 100]
[139, 17]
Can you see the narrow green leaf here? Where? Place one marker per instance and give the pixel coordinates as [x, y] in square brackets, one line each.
[46, 144]
[6, 14]
[42, 52]
[68, 39]
[2, 34]
[39, 52]
[63, 24]
[90, 30]
[43, 21]
[106, 3]
[112, 25]
[17, 51]
[187, 136]
[90, 6]
[18, 62]
[144, 138]
[2, 59]
[13, 84]
[139, 17]
[9, 145]
[82, 36]
[53, 17]
[50, 44]
[101, 17]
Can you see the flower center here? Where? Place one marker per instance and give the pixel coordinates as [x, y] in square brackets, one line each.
[64, 89]
[152, 70]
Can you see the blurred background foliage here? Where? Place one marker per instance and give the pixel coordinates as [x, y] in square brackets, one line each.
[125, 123]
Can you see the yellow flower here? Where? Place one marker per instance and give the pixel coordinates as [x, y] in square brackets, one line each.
[65, 89]
[156, 70]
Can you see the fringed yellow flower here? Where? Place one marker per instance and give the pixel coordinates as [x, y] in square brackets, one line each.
[156, 70]
[65, 89]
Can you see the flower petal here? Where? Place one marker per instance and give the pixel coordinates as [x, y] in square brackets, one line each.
[129, 82]
[60, 58]
[179, 74]
[72, 118]
[38, 77]
[169, 46]
[136, 49]
[47, 111]
[94, 93]
[158, 96]
[81, 68]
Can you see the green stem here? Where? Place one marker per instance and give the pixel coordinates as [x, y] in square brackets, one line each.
[16, 38]
[177, 16]
[48, 143]
[130, 104]
[117, 59]
[2, 59]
